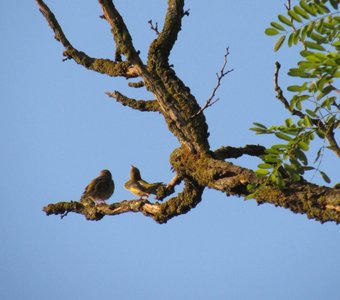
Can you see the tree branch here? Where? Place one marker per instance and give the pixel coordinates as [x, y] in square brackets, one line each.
[103, 66]
[120, 32]
[235, 152]
[161, 213]
[160, 48]
[193, 162]
[318, 202]
[163, 192]
[141, 105]
[136, 85]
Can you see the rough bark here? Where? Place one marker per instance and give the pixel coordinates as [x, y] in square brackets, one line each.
[194, 162]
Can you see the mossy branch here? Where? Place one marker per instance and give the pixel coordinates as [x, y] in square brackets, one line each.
[160, 48]
[193, 161]
[141, 105]
[318, 202]
[160, 212]
[120, 32]
[100, 65]
[235, 152]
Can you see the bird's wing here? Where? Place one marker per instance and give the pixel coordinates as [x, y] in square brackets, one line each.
[150, 187]
[100, 187]
[136, 188]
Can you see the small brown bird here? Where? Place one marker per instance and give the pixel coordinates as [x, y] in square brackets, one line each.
[139, 187]
[101, 188]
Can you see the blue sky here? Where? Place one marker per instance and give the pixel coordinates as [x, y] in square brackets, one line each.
[59, 129]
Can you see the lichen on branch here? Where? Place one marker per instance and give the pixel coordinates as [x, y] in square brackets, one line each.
[194, 162]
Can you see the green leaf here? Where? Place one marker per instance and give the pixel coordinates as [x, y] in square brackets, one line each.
[301, 156]
[294, 88]
[294, 15]
[298, 73]
[291, 39]
[303, 145]
[261, 172]
[283, 136]
[250, 196]
[279, 42]
[315, 46]
[288, 122]
[271, 31]
[265, 166]
[259, 125]
[317, 37]
[320, 134]
[328, 102]
[292, 172]
[277, 26]
[271, 158]
[325, 177]
[318, 154]
[285, 20]
[277, 179]
[322, 9]
[296, 36]
[301, 12]
[305, 53]
[279, 146]
[258, 130]
[298, 105]
[310, 10]
[251, 186]
[310, 27]
[327, 90]
[310, 112]
[307, 121]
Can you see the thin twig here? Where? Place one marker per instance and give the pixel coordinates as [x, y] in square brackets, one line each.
[288, 5]
[154, 28]
[211, 100]
[64, 214]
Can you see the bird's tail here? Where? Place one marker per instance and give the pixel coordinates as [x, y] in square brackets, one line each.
[151, 188]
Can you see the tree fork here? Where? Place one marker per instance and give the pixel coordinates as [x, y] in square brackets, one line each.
[193, 162]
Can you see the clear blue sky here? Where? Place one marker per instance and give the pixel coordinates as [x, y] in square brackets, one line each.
[58, 129]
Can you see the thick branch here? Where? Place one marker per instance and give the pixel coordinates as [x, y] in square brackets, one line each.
[161, 47]
[174, 98]
[317, 202]
[235, 152]
[141, 105]
[120, 32]
[327, 131]
[104, 66]
[161, 213]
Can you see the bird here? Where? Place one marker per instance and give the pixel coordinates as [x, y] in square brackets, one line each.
[101, 188]
[136, 188]
[139, 187]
